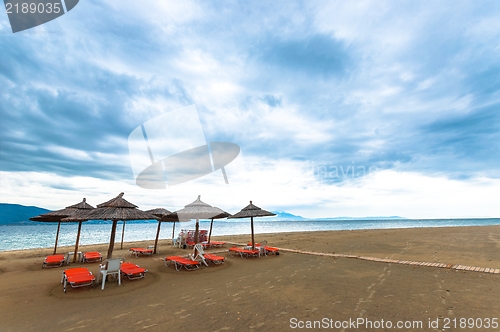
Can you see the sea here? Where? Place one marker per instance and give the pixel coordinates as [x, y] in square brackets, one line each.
[34, 235]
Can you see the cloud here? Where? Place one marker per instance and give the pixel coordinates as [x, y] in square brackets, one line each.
[396, 87]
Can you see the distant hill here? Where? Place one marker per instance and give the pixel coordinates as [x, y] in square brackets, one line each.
[15, 213]
[283, 216]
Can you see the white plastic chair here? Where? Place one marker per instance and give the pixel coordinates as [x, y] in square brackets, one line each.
[110, 267]
[198, 252]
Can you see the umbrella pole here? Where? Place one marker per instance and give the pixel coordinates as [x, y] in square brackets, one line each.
[77, 240]
[173, 233]
[210, 233]
[157, 236]
[57, 236]
[197, 230]
[112, 239]
[123, 233]
[253, 241]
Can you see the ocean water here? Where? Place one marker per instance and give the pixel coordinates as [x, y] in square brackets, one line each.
[42, 235]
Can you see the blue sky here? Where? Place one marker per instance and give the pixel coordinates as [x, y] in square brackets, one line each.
[359, 108]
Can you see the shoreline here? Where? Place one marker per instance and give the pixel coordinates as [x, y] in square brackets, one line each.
[221, 237]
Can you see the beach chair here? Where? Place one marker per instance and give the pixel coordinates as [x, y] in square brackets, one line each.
[272, 250]
[77, 277]
[182, 262]
[132, 271]
[53, 261]
[110, 267]
[217, 244]
[140, 251]
[91, 257]
[244, 253]
[199, 253]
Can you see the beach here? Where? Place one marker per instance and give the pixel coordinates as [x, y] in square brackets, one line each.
[308, 285]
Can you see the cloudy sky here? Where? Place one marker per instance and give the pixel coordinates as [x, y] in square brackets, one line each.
[358, 108]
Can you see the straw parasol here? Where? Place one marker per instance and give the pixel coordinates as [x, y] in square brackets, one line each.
[251, 211]
[222, 215]
[115, 210]
[57, 216]
[199, 210]
[163, 215]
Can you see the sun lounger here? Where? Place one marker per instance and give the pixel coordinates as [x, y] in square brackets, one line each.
[91, 257]
[244, 253]
[199, 253]
[214, 259]
[181, 262]
[218, 244]
[190, 244]
[132, 271]
[140, 251]
[77, 277]
[53, 261]
[272, 250]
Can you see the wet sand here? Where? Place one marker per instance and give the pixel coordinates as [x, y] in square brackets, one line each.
[273, 293]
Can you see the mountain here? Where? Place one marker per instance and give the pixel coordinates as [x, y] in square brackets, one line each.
[283, 216]
[15, 213]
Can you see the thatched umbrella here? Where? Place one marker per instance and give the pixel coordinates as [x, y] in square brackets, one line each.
[249, 212]
[222, 215]
[57, 216]
[199, 210]
[160, 214]
[115, 210]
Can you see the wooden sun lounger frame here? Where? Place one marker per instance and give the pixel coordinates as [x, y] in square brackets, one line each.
[181, 262]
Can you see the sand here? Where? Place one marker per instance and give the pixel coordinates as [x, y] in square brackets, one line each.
[273, 293]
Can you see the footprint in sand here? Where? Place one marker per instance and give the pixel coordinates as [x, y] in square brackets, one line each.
[258, 326]
[121, 315]
[155, 305]
[148, 326]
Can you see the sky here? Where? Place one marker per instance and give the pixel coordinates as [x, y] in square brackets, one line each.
[340, 108]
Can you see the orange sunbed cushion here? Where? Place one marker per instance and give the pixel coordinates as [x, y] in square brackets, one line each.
[142, 250]
[54, 258]
[76, 271]
[92, 254]
[129, 268]
[271, 248]
[182, 260]
[80, 278]
[213, 257]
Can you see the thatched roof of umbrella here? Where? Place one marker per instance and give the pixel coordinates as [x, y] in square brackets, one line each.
[200, 210]
[251, 211]
[115, 210]
[159, 212]
[57, 216]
